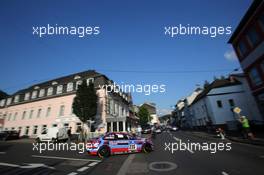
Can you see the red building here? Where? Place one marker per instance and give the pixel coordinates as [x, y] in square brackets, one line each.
[248, 43]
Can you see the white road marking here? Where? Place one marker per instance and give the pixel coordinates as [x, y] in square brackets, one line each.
[2, 152]
[92, 164]
[30, 165]
[83, 169]
[126, 164]
[72, 173]
[261, 156]
[65, 158]
[224, 173]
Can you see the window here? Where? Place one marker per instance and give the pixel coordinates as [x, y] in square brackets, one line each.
[116, 109]
[219, 103]
[44, 129]
[2, 103]
[114, 126]
[54, 125]
[27, 130]
[108, 126]
[34, 94]
[50, 91]
[69, 87]
[16, 99]
[242, 48]
[253, 36]
[9, 116]
[31, 114]
[255, 77]
[41, 92]
[27, 96]
[59, 89]
[48, 112]
[111, 107]
[19, 129]
[78, 83]
[24, 115]
[9, 100]
[120, 126]
[231, 102]
[61, 113]
[39, 113]
[35, 130]
[15, 116]
[66, 125]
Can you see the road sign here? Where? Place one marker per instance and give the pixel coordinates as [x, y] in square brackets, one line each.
[237, 110]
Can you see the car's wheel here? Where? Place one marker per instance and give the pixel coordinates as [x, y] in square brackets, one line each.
[147, 148]
[104, 151]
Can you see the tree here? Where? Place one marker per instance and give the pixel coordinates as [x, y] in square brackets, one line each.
[144, 116]
[85, 102]
[3, 95]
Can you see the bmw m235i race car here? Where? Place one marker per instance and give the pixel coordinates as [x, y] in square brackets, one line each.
[118, 143]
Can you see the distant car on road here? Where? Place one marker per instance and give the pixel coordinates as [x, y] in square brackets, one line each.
[118, 143]
[9, 135]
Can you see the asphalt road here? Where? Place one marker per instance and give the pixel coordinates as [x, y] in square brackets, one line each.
[18, 157]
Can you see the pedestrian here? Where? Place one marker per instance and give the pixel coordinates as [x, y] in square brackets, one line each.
[246, 128]
[69, 134]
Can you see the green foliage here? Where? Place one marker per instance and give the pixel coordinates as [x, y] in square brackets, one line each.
[85, 102]
[144, 116]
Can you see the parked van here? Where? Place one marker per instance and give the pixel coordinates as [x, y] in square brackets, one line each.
[53, 134]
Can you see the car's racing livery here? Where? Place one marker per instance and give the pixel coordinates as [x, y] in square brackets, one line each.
[118, 143]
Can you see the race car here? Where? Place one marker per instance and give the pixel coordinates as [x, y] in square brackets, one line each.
[118, 143]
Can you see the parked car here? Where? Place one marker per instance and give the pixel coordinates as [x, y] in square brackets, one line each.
[9, 135]
[174, 128]
[118, 143]
[157, 130]
[146, 130]
[53, 134]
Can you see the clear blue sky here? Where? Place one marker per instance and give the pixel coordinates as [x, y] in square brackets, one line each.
[132, 38]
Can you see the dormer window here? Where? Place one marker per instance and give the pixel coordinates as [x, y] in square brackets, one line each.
[2, 102]
[16, 98]
[59, 89]
[34, 94]
[54, 83]
[41, 92]
[9, 100]
[36, 87]
[50, 91]
[78, 83]
[77, 77]
[90, 80]
[27, 96]
[69, 87]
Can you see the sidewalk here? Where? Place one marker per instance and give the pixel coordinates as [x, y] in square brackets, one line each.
[257, 141]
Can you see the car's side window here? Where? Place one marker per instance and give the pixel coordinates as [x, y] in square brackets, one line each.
[120, 136]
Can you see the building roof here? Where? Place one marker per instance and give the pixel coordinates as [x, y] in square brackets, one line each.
[61, 80]
[251, 10]
[216, 84]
